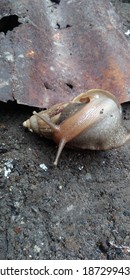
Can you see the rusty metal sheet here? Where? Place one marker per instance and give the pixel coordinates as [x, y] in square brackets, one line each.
[61, 50]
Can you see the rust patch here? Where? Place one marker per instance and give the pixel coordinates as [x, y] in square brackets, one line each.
[62, 49]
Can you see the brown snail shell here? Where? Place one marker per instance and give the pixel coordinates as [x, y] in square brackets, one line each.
[92, 120]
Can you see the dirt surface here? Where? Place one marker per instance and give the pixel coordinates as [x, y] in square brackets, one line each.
[78, 210]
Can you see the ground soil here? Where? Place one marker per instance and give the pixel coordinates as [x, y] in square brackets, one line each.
[78, 210]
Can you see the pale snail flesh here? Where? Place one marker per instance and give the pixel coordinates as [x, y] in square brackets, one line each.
[92, 120]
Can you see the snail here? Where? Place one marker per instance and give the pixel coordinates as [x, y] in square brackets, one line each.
[92, 120]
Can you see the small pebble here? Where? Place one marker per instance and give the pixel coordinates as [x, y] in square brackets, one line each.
[80, 167]
[37, 249]
[88, 176]
[43, 166]
[127, 33]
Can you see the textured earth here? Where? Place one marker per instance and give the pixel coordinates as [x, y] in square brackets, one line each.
[78, 210]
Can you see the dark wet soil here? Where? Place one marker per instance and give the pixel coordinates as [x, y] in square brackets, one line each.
[78, 210]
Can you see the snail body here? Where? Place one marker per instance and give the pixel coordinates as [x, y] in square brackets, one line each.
[92, 120]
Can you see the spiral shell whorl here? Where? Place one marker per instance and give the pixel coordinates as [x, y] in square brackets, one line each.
[32, 124]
